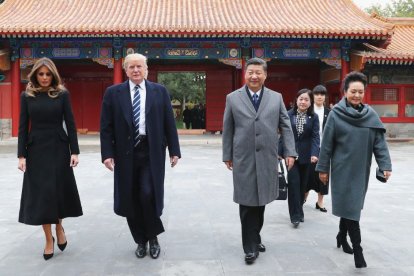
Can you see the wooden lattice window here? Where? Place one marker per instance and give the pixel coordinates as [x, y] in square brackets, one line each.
[409, 94]
[385, 94]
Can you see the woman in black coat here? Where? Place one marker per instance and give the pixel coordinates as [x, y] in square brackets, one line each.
[47, 154]
[305, 126]
[319, 95]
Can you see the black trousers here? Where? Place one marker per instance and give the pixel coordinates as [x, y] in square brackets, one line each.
[144, 224]
[251, 218]
[298, 178]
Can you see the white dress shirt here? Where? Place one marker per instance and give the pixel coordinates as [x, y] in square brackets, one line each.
[321, 113]
[143, 94]
[252, 93]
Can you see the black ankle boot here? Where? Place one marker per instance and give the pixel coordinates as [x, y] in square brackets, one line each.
[341, 240]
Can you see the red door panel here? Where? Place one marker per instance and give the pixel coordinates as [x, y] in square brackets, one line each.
[74, 88]
[86, 97]
[91, 104]
[219, 83]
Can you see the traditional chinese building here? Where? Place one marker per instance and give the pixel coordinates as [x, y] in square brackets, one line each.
[391, 77]
[305, 43]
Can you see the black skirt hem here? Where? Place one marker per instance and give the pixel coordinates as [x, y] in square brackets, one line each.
[47, 221]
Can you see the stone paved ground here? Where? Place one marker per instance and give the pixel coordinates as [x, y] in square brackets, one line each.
[202, 225]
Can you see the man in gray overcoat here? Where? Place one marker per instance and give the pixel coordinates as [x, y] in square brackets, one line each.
[252, 119]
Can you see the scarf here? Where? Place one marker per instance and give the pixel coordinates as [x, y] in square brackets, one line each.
[300, 121]
[365, 116]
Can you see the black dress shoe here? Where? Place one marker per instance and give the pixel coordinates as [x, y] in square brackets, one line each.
[302, 219]
[249, 258]
[295, 224]
[322, 209]
[141, 251]
[155, 248]
[261, 247]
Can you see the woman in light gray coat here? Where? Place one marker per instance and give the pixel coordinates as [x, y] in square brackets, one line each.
[352, 134]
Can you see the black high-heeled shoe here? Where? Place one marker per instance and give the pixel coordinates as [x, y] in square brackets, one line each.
[322, 209]
[48, 256]
[62, 246]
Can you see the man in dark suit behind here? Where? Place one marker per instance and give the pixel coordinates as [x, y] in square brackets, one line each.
[137, 124]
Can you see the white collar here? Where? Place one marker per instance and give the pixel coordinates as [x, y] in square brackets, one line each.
[252, 93]
[132, 85]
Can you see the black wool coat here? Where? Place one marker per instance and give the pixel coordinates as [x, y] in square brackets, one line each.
[117, 142]
[49, 188]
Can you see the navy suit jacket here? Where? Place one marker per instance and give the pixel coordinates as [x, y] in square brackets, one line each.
[307, 144]
[325, 116]
[117, 140]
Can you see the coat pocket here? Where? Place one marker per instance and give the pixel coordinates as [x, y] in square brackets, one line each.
[63, 136]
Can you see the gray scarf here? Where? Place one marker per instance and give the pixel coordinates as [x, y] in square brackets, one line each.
[366, 117]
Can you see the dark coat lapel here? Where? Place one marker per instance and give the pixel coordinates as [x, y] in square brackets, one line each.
[292, 117]
[325, 116]
[125, 102]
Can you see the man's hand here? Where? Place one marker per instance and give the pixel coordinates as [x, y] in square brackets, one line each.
[289, 162]
[324, 177]
[229, 164]
[22, 164]
[109, 164]
[173, 161]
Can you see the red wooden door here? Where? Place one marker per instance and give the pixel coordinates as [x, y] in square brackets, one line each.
[91, 104]
[288, 79]
[86, 97]
[219, 83]
[76, 100]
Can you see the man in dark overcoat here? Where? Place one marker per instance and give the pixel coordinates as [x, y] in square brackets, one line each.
[187, 117]
[253, 117]
[137, 124]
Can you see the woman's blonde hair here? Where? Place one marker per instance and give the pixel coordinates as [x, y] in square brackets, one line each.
[56, 86]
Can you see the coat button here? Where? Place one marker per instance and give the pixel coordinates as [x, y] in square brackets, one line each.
[127, 152]
[129, 137]
[257, 119]
[257, 150]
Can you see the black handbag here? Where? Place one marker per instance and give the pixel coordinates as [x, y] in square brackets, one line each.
[283, 185]
[380, 175]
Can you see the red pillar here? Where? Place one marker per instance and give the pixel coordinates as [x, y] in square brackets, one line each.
[344, 68]
[344, 72]
[15, 92]
[243, 71]
[117, 71]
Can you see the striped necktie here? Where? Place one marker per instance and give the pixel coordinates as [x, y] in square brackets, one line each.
[255, 101]
[136, 112]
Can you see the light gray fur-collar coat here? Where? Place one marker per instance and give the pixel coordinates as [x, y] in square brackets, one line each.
[349, 140]
[250, 140]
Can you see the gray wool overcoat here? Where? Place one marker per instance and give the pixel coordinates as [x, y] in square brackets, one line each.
[349, 140]
[250, 140]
